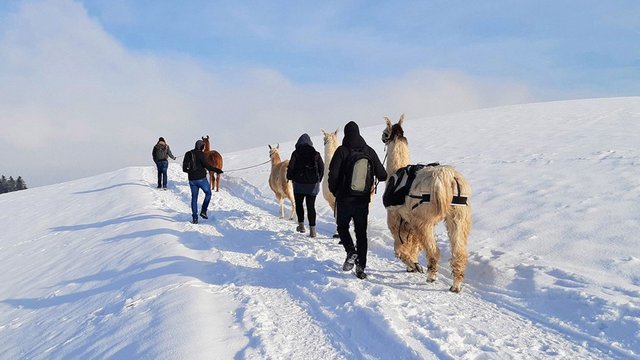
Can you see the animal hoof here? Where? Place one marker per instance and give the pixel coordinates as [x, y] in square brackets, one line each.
[454, 289]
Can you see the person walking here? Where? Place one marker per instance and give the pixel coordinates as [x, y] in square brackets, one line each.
[198, 179]
[351, 172]
[305, 171]
[160, 153]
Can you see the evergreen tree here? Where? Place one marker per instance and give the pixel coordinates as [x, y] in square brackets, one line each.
[8, 185]
[11, 184]
[20, 184]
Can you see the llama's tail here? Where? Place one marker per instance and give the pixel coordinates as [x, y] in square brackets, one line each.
[442, 188]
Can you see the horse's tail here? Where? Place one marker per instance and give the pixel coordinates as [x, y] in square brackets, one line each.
[442, 184]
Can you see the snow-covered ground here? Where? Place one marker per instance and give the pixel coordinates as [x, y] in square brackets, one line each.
[110, 267]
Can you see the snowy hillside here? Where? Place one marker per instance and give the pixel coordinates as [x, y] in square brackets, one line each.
[110, 267]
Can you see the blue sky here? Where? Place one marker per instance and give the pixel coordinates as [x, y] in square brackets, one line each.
[114, 75]
[560, 49]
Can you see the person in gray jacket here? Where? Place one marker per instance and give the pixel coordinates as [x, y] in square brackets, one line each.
[305, 170]
[160, 153]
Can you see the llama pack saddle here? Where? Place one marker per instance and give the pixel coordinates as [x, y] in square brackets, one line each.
[399, 185]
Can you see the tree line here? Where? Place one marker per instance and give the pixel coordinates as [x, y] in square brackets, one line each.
[11, 184]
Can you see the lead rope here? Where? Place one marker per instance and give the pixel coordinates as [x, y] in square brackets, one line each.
[248, 167]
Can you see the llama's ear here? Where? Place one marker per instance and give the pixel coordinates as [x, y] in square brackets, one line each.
[386, 120]
[336, 132]
[401, 120]
[269, 146]
[278, 147]
[323, 132]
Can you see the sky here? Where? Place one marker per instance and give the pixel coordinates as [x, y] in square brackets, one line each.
[89, 86]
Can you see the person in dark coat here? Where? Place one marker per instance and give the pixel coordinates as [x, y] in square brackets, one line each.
[198, 180]
[350, 206]
[305, 171]
[160, 153]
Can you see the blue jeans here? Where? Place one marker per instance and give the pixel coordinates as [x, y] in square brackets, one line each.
[195, 186]
[162, 166]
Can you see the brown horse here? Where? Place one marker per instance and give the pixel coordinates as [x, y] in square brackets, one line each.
[215, 159]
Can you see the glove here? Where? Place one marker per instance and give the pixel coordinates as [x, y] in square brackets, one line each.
[219, 171]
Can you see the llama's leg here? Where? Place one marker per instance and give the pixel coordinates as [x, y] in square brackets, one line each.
[213, 179]
[293, 205]
[432, 251]
[281, 202]
[404, 242]
[414, 248]
[458, 226]
[217, 182]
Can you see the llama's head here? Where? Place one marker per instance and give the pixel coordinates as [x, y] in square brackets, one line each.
[393, 131]
[273, 151]
[330, 138]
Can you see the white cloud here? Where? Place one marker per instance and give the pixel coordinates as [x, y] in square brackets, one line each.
[73, 96]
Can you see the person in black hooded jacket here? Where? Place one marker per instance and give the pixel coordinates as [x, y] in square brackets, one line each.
[349, 206]
[305, 171]
[198, 180]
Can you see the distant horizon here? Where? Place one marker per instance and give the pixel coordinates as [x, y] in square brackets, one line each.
[88, 86]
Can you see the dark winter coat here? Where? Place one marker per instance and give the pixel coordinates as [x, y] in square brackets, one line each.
[201, 163]
[337, 184]
[305, 155]
[161, 151]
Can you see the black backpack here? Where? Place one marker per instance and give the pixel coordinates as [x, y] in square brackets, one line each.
[309, 173]
[159, 152]
[358, 173]
[189, 161]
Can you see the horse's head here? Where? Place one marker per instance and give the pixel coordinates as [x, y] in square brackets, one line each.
[330, 138]
[273, 151]
[392, 131]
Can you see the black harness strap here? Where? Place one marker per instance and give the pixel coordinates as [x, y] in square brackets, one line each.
[457, 199]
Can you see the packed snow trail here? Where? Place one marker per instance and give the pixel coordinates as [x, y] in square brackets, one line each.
[289, 284]
[143, 282]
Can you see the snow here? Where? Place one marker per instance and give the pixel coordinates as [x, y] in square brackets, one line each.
[110, 267]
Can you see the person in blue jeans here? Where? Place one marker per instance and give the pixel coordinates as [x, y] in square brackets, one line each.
[198, 180]
[160, 153]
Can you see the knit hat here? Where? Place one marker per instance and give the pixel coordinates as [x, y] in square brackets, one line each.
[161, 139]
[199, 145]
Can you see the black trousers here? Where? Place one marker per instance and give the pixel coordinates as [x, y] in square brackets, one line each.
[311, 207]
[359, 213]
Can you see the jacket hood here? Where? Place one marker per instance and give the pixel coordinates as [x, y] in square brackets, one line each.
[351, 129]
[352, 138]
[199, 145]
[304, 140]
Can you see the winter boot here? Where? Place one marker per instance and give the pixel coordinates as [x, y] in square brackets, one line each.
[204, 215]
[349, 262]
[195, 220]
[300, 228]
[360, 272]
[312, 231]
